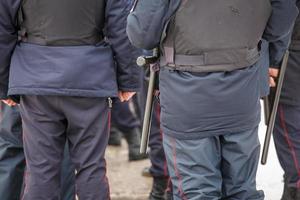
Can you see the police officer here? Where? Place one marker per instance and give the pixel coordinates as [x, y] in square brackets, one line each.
[12, 160]
[210, 88]
[125, 122]
[65, 70]
[286, 131]
[161, 183]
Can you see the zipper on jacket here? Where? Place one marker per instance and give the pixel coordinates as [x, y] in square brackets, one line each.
[110, 102]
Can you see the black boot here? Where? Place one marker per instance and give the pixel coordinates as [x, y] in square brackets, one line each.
[159, 187]
[169, 195]
[160, 190]
[146, 172]
[297, 194]
[115, 137]
[133, 138]
[289, 193]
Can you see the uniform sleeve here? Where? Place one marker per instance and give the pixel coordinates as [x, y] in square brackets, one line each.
[145, 23]
[279, 27]
[124, 53]
[8, 39]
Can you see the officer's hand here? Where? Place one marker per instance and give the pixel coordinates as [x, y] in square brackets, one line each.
[125, 96]
[9, 102]
[273, 74]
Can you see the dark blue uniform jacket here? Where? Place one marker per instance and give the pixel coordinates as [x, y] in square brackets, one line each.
[91, 71]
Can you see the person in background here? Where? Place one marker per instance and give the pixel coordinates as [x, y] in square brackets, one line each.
[125, 122]
[287, 127]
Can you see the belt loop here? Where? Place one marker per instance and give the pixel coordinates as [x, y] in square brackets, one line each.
[169, 53]
[169, 46]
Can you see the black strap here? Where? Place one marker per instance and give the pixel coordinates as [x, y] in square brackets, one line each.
[169, 44]
[20, 20]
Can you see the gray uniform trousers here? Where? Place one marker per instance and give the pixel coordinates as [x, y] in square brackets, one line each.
[12, 160]
[50, 121]
[213, 168]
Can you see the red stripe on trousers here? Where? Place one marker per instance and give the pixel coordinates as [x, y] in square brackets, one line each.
[289, 142]
[161, 136]
[180, 188]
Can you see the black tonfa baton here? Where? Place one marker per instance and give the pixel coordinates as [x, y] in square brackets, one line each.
[270, 108]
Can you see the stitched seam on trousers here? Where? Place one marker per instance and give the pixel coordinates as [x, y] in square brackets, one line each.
[25, 172]
[106, 180]
[180, 187]
[289, 142]
[166, 173]
[109, 121]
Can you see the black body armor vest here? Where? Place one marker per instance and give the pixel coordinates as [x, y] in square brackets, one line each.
[215, 35]
[62, 22]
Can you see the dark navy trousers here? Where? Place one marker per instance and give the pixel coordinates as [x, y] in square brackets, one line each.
[123, 116]
[51, 121]
[157, 155]
[214, 168]
[12, 160]
[287, 142]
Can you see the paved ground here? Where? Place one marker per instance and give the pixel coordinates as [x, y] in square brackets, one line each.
[127, 183]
